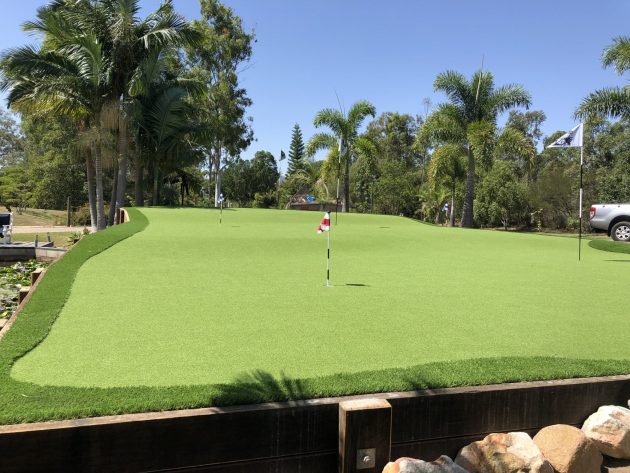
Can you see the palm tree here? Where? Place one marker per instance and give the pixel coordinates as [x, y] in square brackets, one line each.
[70, 80]
[469, 118]
[133, 43]
[447, 169]
[163, 113]
[85, 69]
[611, 101]
[345, 133]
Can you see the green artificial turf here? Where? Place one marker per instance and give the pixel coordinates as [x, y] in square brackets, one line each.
[610, 246]
[187, 312]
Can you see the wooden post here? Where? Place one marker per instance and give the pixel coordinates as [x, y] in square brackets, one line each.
[365, 430]
[23, 293]
[35, 275]
[69, 217]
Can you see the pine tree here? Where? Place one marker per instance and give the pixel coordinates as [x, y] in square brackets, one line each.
[296, 151]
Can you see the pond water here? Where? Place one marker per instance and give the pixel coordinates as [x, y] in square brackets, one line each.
[13, 276]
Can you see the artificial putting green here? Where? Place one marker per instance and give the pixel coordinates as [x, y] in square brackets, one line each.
[187, 312]
[189, 301]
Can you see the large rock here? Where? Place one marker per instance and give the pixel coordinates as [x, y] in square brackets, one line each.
[568, 449]
[410, 465]
[609, 428]
[515, 452]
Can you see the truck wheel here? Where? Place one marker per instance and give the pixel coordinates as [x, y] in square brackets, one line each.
[620, 231]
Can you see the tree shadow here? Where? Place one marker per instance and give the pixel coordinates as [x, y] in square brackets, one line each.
[259, 386]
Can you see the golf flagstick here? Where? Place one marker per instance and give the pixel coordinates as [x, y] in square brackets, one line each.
[575, 139]
[580, 204]
[328, 259]
[221, 199]
[324, 226]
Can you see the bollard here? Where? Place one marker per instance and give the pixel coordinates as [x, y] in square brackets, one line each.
[365, 430]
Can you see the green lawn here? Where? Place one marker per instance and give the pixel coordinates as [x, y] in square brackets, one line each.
[187, 312]
[59, 239]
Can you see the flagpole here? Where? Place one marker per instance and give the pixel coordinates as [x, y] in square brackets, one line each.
[328, 260]
[338, 174]
[580, 204]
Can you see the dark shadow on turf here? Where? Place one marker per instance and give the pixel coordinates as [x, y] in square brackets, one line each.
[619, 260]
[259, 386]
[357, 284]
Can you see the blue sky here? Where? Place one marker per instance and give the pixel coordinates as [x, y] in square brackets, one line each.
[390, 52]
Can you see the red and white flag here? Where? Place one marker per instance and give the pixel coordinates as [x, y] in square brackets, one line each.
[324, 226]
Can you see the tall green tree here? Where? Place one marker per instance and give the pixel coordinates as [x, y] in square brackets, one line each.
[447, 169]
[344, 132]
[84, 69]
[296, 151]
[469, 118]
[215, 59]
[244, 179]
[11, 140]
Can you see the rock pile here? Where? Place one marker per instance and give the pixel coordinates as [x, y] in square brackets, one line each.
[555, 449]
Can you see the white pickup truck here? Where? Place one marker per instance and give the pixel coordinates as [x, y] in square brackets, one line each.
[614, 219]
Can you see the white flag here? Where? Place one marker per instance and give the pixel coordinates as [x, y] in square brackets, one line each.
[573, 139]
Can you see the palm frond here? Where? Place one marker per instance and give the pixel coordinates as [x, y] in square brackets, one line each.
[613, 102]
[482, 139]
[364, 146]
[320, 141]
[331, 118]
[618, 54]
[513, 143]
[445, 124]
[507, 97]
[455, 86]
[359, 112]
[447, 165]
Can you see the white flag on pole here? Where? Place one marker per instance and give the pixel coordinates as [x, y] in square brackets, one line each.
[573, 139]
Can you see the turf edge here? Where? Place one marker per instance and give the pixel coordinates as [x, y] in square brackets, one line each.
[610, 246]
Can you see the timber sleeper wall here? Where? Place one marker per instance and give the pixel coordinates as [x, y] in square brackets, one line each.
[302, 436]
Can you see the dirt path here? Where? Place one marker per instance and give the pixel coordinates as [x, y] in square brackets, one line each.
[45, 229]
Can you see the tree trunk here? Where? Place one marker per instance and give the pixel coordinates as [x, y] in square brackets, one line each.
[89, 165]
[156, 175]
[346, 186]
[112, 201]
[452, 219]
[138, 185]
[101, 219]
[123, 149]
[469, 193]
[210, 173]
[216, 162]
[217, 188]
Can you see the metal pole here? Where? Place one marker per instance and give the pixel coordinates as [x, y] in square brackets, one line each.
[338, 174]
[328, 259]
[221, 213]
[580, 204]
